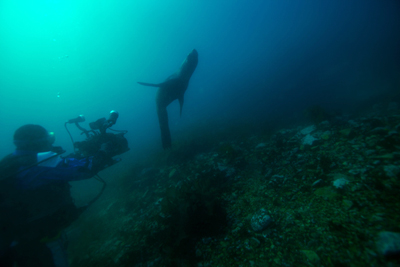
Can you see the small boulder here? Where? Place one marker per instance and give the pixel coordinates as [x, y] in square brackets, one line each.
[308, 130]
[260, 145]
[340, 183]
[309, 140]
[260, 220]
[388, 244]
[392, 171]
[311, 256]
[326, 135]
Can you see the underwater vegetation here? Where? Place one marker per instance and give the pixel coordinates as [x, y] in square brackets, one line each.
[184, 214]
[189, 213]
[324, 194]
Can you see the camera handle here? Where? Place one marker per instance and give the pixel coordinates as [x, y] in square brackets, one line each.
[84, 131]
[77, 120]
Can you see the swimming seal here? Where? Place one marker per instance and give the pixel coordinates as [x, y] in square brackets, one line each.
[173, 88]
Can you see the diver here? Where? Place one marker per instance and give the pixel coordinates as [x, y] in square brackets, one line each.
[35, 198]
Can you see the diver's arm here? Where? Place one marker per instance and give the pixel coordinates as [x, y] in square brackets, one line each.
[68, 169]
[71, 169]
[51, 166]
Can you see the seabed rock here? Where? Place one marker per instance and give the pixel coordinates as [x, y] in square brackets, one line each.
[309, 140]
[308, 130]
[388, 244]
[260, 220]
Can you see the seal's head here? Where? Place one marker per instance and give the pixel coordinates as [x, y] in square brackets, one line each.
[194, 55]
[190, 64]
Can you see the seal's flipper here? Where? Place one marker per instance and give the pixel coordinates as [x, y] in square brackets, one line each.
[163, 121]
[181, 103]
[150, 84]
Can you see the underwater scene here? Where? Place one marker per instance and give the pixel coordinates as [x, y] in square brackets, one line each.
[199, 133]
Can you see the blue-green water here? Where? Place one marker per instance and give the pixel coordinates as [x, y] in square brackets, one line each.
[59, 59]
[261, 63]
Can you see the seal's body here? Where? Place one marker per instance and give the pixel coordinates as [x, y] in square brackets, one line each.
[173, 88]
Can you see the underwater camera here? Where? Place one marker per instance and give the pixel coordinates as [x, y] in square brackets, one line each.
[98, 139]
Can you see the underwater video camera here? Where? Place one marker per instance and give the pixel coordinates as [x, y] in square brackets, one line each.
[97, 139]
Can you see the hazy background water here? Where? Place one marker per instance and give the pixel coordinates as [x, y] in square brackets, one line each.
[257, 60]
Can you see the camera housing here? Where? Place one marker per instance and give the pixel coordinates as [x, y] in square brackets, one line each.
[97, 139]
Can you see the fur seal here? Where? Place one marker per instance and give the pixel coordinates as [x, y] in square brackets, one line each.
[172, 88]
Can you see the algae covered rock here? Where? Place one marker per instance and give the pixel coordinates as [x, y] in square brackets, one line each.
[308, 130]
[260, 220]
[340, 180]
[326, 135]
[340, 183]
[309, 140]
[392, 171]
[388, 243]
[326, 192]
[311, 256]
